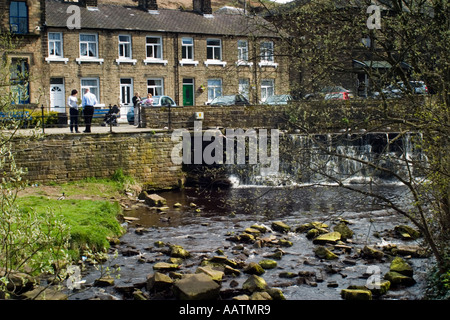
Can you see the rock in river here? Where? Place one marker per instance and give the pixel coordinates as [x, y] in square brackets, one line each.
[324, 253]
[330, 237]
[197, 286]
[280, 226]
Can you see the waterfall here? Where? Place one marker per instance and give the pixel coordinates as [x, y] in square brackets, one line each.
[347, 158]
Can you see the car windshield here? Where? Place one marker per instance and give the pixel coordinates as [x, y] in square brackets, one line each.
[223, 99]
[278, 98]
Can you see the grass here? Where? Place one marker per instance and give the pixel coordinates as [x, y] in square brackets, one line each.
[90, 221]
[90, 208]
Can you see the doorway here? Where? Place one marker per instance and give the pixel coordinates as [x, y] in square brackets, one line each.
[57, 95]
[188, 92]
[126, 96]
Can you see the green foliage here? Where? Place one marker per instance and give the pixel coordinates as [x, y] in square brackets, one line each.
[91, 222]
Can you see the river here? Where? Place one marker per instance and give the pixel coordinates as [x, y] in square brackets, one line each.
[219, 214]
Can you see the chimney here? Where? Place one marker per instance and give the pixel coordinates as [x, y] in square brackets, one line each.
[202, 6]
[89, 3]
[148, 4]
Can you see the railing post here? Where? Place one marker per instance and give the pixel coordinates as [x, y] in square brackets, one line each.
[43, 124]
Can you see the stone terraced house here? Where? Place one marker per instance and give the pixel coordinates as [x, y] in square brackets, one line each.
[117, 50]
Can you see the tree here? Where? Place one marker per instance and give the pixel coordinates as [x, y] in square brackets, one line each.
[412, 45]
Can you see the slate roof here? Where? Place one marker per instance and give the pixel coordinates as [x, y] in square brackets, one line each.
[119, 17]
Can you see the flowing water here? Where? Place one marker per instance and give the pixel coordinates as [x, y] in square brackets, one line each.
[294, 197]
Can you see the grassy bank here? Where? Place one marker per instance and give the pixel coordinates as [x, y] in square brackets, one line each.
[90, 209]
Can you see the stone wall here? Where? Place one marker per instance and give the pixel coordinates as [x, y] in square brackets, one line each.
[258, 116]
[63, 158]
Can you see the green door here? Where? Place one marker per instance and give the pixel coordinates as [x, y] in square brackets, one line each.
[188, 92]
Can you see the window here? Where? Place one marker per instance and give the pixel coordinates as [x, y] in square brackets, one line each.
[267, 59]
[88, 46]
[18, 17]
[92, 85]
[267, 51]
[243, 50]
[214, 49]
[187, 48]
[267, 89]
[124, 47]
[154, 50]
[155, 87]
[55, 44]
[19, 77]
[125, 51]
[214, 52]
[214, 88]
[244, 87]
[55, 47]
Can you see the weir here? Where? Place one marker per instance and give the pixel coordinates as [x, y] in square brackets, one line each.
[381, 157]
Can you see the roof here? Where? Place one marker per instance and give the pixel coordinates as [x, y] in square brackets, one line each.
[132, 18]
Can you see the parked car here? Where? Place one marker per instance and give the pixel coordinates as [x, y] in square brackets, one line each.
[230, 100]
[397, 90]
[158, 101]
[278, 99]
[337, 96]
[330, 90]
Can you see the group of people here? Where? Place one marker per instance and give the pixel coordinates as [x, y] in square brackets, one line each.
[88, 102]
[137, 102]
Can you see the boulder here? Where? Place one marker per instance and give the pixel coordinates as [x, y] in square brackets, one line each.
[255, 283]
[216, 275]
[344, 230]
[285, 243]
[379, 288]
[178, 252]
[260, 295]
[197, 286]
[241, 297]
[41, 293]
[254, 268]
[312, 233]
[104, 282]
[268, 263]
[324, 253]
[261, 228]
[398, 279]
[330, 237]
[152, 200]
[407, 232]
[164, 266]
[276, 293]
[401, 266]
[158, 282]
[280, 226]
[321, 227]
[252, 231]
[372, 253]
[356, 294]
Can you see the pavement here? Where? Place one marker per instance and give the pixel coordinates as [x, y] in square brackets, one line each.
[95, 129]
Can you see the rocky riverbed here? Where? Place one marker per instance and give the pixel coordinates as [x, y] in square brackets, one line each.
[247, 244]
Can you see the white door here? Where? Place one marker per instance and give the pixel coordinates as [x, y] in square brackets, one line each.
[126, 97]
[57, 98]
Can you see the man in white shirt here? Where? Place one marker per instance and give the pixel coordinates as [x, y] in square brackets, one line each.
[88, 102]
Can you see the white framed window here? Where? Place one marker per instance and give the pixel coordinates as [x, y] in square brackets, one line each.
[55, 47]
[154, 50]
[155, 86]
[125, 50]
[244, 87]
[89, 48]
[214, 52]
[187, 51]
[267, 89]
[267, 54]
[242, 50]
[92, 84]
[214, 88]
[242, 59]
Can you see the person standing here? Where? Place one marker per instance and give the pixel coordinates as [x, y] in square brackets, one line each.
[72, 103]
[88, 103]
[136, 101]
